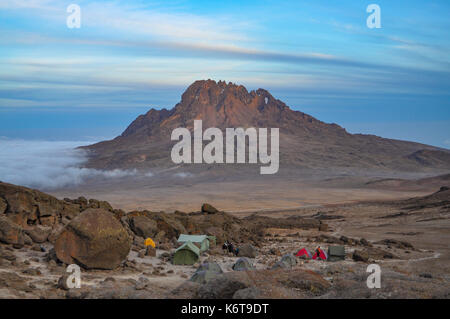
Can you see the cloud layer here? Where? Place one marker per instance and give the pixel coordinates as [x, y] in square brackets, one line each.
[47, 164]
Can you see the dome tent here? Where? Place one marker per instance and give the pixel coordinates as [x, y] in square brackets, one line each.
[201, 241]
[304, 252]
[187, 254]
[322, 255]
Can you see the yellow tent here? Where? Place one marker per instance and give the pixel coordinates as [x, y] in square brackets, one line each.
[150, 242]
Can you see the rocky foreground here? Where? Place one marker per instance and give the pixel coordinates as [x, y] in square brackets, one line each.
[41, 235]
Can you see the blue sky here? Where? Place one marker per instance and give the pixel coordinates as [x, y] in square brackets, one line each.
[317, 56]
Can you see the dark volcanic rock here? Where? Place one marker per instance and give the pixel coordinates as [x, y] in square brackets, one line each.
[209, 209]
[143, 226]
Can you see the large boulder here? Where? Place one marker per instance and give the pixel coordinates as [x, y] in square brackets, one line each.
[10, 232]
[286, 262]
[280, 265]
[247, 250]
[243, 264]
[210, 266]
[221, 287]
[39, 234]
[206, 272]
[95, 239]
[143, 226]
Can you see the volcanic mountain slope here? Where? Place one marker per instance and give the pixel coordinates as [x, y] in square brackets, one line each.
[305, 142]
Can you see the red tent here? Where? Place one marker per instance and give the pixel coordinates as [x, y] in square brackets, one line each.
[304, 253]
[322, 255]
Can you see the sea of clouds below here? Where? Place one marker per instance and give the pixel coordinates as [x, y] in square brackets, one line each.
[48, 164]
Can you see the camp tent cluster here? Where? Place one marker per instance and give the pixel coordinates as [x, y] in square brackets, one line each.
[335, 253]
[191, 249]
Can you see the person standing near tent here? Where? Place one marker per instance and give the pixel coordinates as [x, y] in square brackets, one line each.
[318, 252]
[225, 246]
[230, 248]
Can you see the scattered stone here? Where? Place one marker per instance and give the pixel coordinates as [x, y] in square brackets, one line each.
[364, 242]
[62, 282]
[359, 255]
[397, 244]
[150, 251]
[7, 255]
[247, 250]
[142, 283]
[32, 272]
[275, 251]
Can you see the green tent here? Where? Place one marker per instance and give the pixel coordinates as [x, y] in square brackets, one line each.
[336, 253]
[201, 241]
[187, 254]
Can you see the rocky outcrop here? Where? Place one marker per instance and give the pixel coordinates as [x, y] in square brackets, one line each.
[371, 253]
[10, 232]
[94, 239]
[39, 234]
[209, 209]
[143, 226]
[221, 287]
[39, 215]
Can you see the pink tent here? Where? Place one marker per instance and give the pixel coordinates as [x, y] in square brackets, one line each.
[304, 253]
[322, 255]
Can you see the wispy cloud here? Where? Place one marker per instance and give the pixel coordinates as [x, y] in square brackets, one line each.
[137, 18]
[48, 165]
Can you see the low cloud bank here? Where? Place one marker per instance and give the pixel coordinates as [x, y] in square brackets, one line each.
[48, 164]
